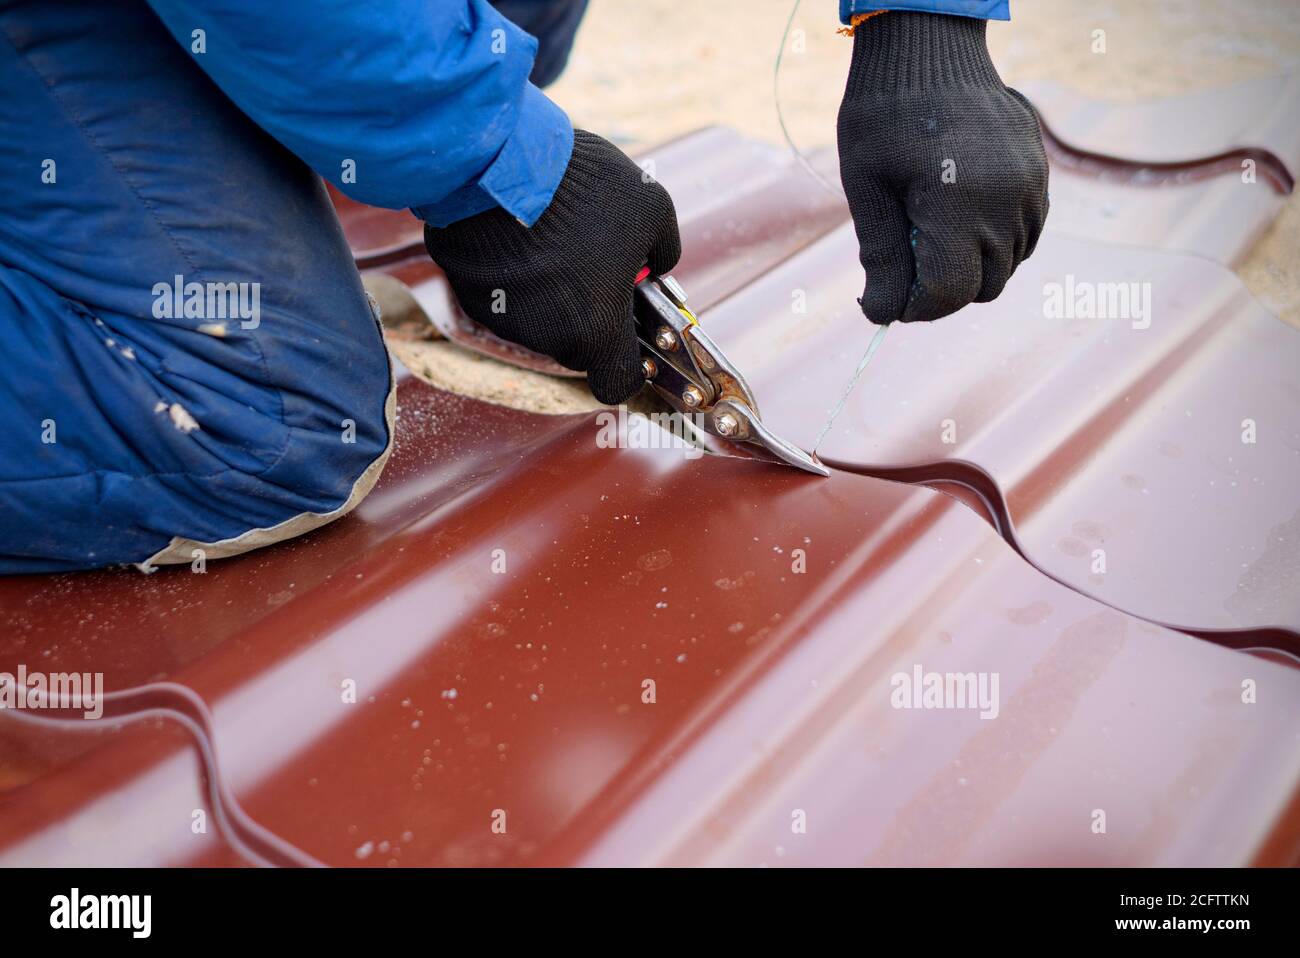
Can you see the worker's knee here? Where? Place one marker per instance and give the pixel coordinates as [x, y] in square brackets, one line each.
[329, 370]
[133, 437]
[321, 475]
[322, 445]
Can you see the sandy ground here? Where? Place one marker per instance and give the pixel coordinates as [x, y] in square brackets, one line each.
[643, 71]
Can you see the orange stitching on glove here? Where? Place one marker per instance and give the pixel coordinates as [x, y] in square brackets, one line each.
[857, 19]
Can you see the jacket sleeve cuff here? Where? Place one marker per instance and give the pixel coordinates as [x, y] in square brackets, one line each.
[981, 9]
[524, 175]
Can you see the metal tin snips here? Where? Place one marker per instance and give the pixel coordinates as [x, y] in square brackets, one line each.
[694, 376]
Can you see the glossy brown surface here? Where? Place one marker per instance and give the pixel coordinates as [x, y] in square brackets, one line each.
[1258, 118]
[69, 786]
[1094, 433]
[1120, 433]
[1203, 174]
[523, 690]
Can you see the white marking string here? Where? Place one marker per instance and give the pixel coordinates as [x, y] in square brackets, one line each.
[780, 115]
[879, 337]
[876, 340]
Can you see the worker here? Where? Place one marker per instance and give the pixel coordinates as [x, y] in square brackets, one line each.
[193, 368]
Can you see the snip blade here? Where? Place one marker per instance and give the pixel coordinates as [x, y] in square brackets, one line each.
[876, 340]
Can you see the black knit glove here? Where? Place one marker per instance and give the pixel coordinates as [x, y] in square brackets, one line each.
[564, 286]
[942, 163]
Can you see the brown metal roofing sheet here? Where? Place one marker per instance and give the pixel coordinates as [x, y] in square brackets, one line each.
[1124, 435]
[523, 691]
[1205, 173]
[1218, 217]
[1259, 118]
[1119, 434]
[104, 793]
